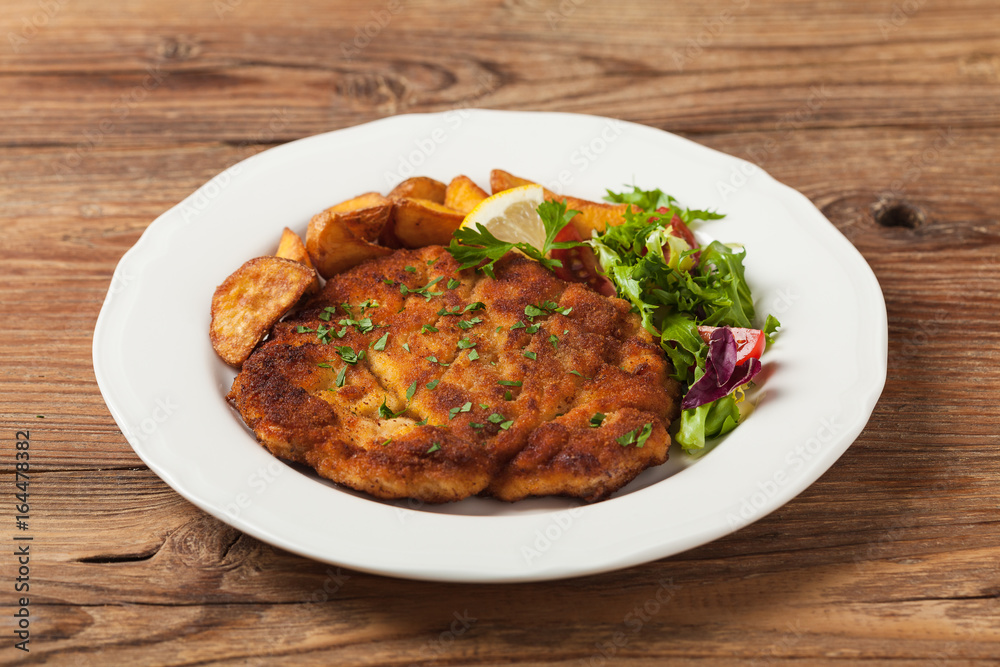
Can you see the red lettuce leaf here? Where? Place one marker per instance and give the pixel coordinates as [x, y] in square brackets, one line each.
[722, 375]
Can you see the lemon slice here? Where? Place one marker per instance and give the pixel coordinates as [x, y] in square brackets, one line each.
[511, 215]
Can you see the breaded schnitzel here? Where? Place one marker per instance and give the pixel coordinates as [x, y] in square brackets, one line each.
[407, 378]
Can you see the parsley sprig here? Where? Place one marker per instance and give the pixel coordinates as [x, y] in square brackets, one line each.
[471, 246]
[424, 291]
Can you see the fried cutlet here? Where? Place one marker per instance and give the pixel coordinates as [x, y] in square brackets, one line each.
[407, 378]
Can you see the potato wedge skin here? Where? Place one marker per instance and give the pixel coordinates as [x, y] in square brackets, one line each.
[420, 187]
[293, 247]
[340, 238]
[421, 222]
[248, 303]
[593, 215]
[366, 200]
[501, 180]
[463, 194]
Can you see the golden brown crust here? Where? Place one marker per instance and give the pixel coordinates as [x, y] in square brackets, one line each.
[538, 443]
[248, 303]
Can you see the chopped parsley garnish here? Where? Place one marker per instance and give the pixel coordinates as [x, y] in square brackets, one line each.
[474, 306]
[387, 442]
[327, 313]
[341, 377]
[465, 344]
[533, 311]
[460, 408]
[385, 412]
[630, 438]
[597, 419]
[428, 328]
[519, 325]
[470, 246]
[468, 324]
[430, 262]
[380, 343]
[509, 383]
[554, 340]
[422, 291]
[507, 396]
[484, 406]
[406, 346]
[579, 374]
[495, 418]
[434, 447]
[322, 333]
[530, 355]
[533, 328]
[434, 360]
[348, 355]
[473, 355]
[432, 384]
[452, 283]
[363, 326]
[507, 424]
[410, 269]
[422, 422]
[476, 425]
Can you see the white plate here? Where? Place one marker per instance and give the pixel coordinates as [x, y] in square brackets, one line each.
[166, 388]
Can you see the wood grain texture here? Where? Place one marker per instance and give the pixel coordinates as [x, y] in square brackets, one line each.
[886, 115]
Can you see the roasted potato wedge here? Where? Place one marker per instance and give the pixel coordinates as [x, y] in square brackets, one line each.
[463, 194]
[421, 222]
[360, 203]
[420, 187]
[345, 235]
[293, 247]
[501, 180]
[593, 215]
[248, 303]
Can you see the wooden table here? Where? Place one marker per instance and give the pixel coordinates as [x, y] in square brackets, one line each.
[885, 114]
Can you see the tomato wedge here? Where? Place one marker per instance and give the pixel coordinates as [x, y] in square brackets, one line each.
[579, 264]
[678, 228]
[749, 342]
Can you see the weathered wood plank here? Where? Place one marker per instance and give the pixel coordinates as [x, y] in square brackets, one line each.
[694, 71]
[884, 114]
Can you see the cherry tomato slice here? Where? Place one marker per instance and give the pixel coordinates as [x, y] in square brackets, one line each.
[579, 264]
[679, 229]
[749, 342]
